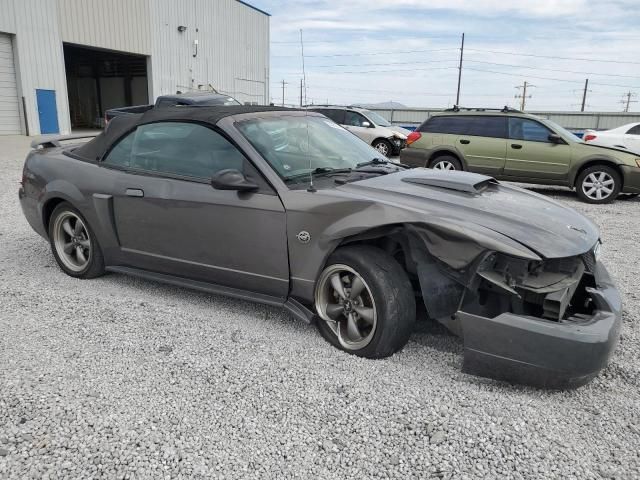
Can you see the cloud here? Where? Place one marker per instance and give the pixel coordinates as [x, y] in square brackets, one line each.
[347, 45]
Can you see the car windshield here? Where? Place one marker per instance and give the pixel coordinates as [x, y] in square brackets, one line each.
[298, 145]
[377, 119]
[563, 131]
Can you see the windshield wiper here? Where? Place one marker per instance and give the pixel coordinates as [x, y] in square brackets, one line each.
[374, 161]
[319, 171]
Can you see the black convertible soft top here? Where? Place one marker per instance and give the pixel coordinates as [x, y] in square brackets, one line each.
[95, 149]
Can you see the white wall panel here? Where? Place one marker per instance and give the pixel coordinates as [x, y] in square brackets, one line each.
[112, 24]
[38, 49]
[7, 17]
[232, 52]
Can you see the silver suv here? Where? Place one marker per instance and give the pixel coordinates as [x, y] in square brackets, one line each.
[368, 126]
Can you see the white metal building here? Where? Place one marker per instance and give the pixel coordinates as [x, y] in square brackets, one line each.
[63, 62]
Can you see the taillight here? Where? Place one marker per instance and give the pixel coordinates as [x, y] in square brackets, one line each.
[413, 136]
[589, 137]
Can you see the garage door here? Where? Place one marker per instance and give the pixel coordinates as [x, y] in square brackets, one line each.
[9, 113]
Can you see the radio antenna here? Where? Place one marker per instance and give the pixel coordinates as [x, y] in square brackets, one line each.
[306, 120]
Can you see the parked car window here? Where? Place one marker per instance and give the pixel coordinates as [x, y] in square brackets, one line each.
[185, 149]
[486, 126]
[335, 115]
[444, 124]
[354, 119]
[377, 119]
[634, 130]
[528, 130]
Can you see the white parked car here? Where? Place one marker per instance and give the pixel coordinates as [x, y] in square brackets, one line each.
[626, 137]
[368, 126]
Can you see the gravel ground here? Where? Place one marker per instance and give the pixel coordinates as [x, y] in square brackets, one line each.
[123, 378]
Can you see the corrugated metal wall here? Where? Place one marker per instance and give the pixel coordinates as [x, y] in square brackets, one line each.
[40, 60]
[570, 120]
[232, 52]
[7, 17]
[114, 24]
[232, 56]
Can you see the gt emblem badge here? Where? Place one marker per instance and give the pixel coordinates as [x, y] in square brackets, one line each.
[303, 236]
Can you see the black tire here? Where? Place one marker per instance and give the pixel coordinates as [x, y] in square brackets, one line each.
[448, 160]
[383, 146]
[598, 181]
[94, 258]
[391, 294]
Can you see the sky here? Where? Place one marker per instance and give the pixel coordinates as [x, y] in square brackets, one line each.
[407, 51]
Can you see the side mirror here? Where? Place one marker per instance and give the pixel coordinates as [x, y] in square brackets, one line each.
[366, 124]
[231, 179]
[555, 138]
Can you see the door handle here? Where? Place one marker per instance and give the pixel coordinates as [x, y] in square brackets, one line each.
[465, 142]
[135, 192]
[517, 146]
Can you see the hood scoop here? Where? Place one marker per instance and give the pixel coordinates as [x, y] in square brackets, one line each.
[460, 181]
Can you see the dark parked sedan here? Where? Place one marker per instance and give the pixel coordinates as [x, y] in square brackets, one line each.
[287, 208]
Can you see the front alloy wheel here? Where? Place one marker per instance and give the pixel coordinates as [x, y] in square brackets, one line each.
[598, 184]
[384, 147]
[345, 302]
[365, 302]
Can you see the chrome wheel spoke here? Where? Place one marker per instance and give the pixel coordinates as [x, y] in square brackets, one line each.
[352, 328]
[334, 310]
[590, 191]
[365, 313]
[68, 248]
[338, 287]
[85, 243]
[78, 228]
[608, 182]
[66, 226]
[80, 255]
[607, 190]
[357, 285]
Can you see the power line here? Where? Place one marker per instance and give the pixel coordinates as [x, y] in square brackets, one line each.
[554, 70]
[550, 78]
[554, 57]
[367, 54]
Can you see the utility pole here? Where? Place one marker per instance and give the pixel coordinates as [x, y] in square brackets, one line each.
[524, 95]
[283, 84]
[300, 93]
[460, 70]
[627, 103]
[584, 94]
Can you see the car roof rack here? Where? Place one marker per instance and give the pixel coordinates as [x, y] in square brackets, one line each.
[505, 109]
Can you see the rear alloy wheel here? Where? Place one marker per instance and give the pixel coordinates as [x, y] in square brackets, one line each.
[445, 163]
[598, 184]
[365, 302]
[74, 245]
[383, 146]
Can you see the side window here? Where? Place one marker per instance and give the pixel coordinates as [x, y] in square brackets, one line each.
[528, 130]
[120, 155]
[487, 126]
[444, 124]
[634, 130]
[335, 115]
[185, 149]
[354, 119]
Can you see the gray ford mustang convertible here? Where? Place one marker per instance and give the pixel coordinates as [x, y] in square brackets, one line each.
[287, 208]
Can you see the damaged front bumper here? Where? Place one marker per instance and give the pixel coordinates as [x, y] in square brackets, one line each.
[545, 353]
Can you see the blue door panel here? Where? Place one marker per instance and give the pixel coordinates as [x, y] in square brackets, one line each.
[47, 111]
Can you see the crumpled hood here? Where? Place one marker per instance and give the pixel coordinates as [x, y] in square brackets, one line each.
[545, 226]
[403, 132]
